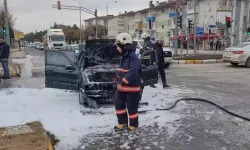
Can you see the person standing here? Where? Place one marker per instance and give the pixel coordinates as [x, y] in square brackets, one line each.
[148, 45]
[160, 62]
[129, 84]
[4, 57]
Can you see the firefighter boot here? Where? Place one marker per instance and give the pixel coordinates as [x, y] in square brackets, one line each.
[131, 128]
[165, 85]
[120, 127]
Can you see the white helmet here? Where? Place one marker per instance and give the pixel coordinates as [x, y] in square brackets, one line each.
[144, 35]
[124, 38]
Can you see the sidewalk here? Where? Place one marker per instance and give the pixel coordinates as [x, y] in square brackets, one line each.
[199, 52]
[15, 53]
[14, 69]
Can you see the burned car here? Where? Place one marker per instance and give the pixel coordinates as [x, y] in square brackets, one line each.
[94, 74]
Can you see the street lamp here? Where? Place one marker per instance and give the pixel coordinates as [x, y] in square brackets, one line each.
[108, 6]
[80, 5]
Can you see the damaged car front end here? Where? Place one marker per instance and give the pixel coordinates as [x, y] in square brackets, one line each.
[98, 85]
[95, 74]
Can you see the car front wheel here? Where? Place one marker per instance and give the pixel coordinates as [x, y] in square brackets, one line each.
[248, 63]
[81, 99]
[166, 65]
[234, 64]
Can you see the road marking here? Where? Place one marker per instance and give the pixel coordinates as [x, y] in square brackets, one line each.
[37, 67]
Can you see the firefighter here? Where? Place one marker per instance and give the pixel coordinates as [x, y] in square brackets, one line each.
[129, 84]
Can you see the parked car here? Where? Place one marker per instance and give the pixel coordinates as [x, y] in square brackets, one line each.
[32, 45]
[238, 55]
[168, 57]
[93, 74]
[75, 48]
[37, 44]
[41, 46]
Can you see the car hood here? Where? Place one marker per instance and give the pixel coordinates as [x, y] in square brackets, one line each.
[100, 51]
[102, 73]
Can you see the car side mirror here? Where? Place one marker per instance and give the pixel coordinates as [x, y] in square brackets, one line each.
[69, 67]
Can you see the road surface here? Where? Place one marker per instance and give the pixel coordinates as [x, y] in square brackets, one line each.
[205, 127]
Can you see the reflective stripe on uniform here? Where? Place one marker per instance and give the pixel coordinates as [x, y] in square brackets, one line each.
[128, 88]
[133, 116]
[120, 112]
[123, 70]
[125, 80]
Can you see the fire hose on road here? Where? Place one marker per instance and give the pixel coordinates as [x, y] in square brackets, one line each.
[200, 100]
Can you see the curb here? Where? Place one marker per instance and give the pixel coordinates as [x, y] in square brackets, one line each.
[14, 70]
[33, 136]
[209, 61]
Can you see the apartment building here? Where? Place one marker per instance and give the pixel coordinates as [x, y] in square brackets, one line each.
[116, 25]
[240, 21]
[102, 20]
[153, 20]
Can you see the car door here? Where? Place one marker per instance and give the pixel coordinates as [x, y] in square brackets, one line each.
[149, 72]
[61, 70]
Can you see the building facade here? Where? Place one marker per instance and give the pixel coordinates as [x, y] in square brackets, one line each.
[102, 20]
[158, 20]
[240, 21]
[153, 20]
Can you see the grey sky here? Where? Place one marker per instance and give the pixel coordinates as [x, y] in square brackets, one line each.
[38, 14]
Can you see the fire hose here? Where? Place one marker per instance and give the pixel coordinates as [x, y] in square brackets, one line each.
[200, 100]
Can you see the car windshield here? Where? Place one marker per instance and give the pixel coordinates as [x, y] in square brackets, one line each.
[57, 38]
[242, 45]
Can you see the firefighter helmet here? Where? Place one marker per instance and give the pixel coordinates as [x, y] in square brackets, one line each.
[144, 35]
[124, 38]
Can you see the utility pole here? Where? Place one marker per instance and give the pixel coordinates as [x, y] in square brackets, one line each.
[96, 32]
[176, 31]
[7, 34]
[195, 15]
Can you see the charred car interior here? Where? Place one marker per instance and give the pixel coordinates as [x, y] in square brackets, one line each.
[93, 73]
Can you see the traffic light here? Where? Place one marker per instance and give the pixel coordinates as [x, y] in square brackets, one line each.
[179, 22]
[94, 29]
[4, 30]
[58, 5]
[169, 34]
[140, 31]
[228, 22]
[248, 31]
[190, 25]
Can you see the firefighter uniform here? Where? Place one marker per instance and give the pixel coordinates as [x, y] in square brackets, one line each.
[129, 87]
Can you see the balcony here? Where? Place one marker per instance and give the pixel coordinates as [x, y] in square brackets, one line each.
[224, 8]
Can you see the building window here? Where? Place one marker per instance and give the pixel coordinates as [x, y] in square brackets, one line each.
[223, 2]
[162, 26]
[169, 22]
[222, 32]
[190, 5]
[162, 10]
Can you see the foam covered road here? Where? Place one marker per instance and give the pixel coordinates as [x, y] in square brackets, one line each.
[203, 126]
